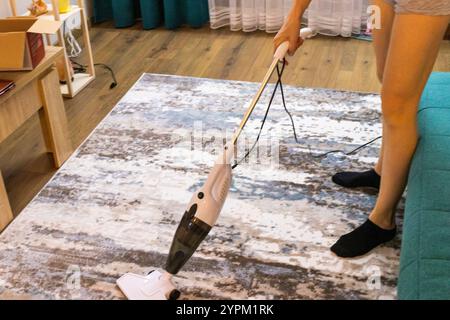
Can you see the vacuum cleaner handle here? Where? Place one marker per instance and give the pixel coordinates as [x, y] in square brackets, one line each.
[278, 56]
[282, 49]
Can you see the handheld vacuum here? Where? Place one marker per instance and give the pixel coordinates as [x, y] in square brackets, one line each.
[201, 214]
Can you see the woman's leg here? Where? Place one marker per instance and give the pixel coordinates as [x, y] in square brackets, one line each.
[413, 49]
[382, 36]
[381, 39]
[414, 46]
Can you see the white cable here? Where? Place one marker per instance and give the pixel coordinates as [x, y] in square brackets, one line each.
[74, 49]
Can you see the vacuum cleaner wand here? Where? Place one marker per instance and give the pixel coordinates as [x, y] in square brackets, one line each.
[202, 211]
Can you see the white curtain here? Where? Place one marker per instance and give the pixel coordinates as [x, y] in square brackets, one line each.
[330, 17]
[248, 15]
[337, 17]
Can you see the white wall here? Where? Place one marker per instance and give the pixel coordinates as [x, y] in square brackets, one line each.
[4, 8]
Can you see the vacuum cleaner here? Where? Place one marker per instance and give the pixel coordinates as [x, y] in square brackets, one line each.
[201, 214]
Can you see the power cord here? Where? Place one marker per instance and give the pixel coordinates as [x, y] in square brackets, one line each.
[279, 72]
[75, 51]
[280, 84]
[349, 153]
[71, 42]
[80, 68]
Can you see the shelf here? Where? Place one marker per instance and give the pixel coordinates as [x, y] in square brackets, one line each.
[80, 80]
[63, 16]
[72, 88]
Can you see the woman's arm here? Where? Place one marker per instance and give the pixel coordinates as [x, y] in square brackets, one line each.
[290, 31]
[299, 7]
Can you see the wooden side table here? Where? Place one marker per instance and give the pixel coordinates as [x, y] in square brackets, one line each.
[36, 91]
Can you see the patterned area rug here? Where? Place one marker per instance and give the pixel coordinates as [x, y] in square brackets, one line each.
[115, 205]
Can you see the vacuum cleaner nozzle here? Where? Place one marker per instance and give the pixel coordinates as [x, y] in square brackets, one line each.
[156, 285]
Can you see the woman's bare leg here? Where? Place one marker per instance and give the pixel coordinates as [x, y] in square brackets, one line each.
[381, 39]
[382, 36]
[414, 45]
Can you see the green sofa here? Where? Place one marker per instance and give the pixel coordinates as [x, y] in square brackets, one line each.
[425, 253]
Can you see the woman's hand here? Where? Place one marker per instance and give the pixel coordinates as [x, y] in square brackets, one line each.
[290, 31]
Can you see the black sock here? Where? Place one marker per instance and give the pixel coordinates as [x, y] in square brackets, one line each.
[357, 179]
[361, 240]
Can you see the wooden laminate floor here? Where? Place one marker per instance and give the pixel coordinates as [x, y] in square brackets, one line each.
[339, 63]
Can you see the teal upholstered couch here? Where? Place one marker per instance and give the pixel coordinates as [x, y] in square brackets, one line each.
[425, 254]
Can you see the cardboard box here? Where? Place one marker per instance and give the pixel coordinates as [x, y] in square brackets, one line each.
[21, 42]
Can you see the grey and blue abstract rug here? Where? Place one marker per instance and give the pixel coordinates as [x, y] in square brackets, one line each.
[114, 206]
